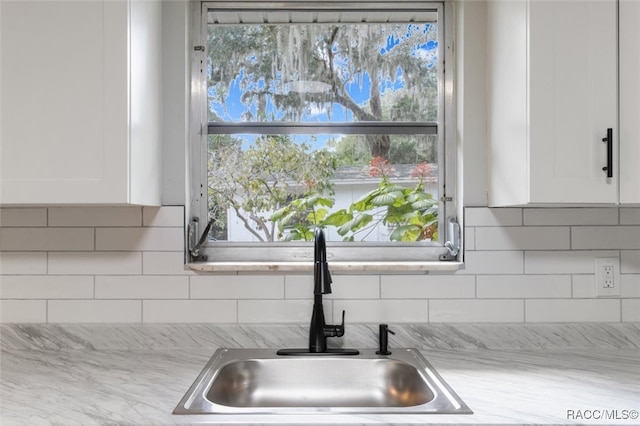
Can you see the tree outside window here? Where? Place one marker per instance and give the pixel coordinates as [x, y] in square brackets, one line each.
[315, 81]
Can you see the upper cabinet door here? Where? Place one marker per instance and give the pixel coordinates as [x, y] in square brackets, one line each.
[629, 101]
[573, 100]
[552, 95]
[67, 91]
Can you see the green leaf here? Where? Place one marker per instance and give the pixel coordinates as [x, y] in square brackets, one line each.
[338, 218]
[287, 219]
[356, 223]
[308, 235]
[293, 235]
[318, 216]
[391, 187]
[405, 233]
[279, 214]
[419, 196]
[326, 202]
[422, 204]
[386, 199]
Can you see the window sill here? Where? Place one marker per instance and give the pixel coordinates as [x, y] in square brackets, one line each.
[338, 267]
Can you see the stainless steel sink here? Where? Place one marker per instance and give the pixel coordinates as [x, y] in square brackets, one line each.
[249, 381]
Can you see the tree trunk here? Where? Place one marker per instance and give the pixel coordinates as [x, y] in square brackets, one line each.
[379, 145]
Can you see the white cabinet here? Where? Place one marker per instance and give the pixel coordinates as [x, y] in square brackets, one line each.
[552, 95]
[629, 24]
[80, 102]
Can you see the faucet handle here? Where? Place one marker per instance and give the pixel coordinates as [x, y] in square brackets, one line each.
[335, 330]
[341, 326]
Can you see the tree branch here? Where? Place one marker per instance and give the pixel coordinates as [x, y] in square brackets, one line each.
[246, 223]
[262, 226]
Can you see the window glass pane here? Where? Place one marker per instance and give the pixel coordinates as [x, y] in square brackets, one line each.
[279, 187]
[322, 72]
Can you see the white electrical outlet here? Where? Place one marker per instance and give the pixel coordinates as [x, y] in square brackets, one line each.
[607, 276]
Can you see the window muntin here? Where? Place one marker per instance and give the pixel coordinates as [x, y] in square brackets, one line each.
[322, 116]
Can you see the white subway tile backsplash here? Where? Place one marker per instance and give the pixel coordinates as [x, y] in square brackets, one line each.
[343, 287]
[164, 263]
[23, 263]
[363, 311]
[95, 263]
[46, 239]
[630, 216]
[476, 310]
[95, 216]
[237, 286]
[631, 310]
[172, 216]
[572, 310]
[523, 238]
[493, 262]
[630, 262]
[94, 311]
[571, 216]
[298, 287]
[355, 287]
[23, 217]
[277, 311]
[23, 311]
[142, 287]
[605, 237]
[428, 286]
[523, 286]
[189, 311]
[630, 285]
[126, 264]
[470, 238]
[147, 239]
[483, 216]
[584, 286]
[46, 287]
[563, 262]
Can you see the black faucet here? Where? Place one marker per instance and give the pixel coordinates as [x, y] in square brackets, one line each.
[318, 329]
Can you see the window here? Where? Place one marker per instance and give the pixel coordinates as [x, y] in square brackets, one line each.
[329, 115]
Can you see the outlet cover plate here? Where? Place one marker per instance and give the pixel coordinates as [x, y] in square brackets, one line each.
[607, 277]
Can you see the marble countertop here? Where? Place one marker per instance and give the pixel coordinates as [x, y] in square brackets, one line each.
[137, 375]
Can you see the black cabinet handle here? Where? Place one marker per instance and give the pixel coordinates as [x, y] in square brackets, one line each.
[609, 141]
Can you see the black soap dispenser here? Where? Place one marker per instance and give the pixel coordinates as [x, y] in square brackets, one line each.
[383, 340]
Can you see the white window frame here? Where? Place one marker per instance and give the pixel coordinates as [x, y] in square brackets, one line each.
[344, 256]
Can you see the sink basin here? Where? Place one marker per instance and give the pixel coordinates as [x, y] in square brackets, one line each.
[250, 381]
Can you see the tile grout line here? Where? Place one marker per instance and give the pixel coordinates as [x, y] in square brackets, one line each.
[620, 313]
[571, 294]
[475, 286]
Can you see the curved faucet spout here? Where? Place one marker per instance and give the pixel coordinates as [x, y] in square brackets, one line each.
[320, 246]
[321, 275]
